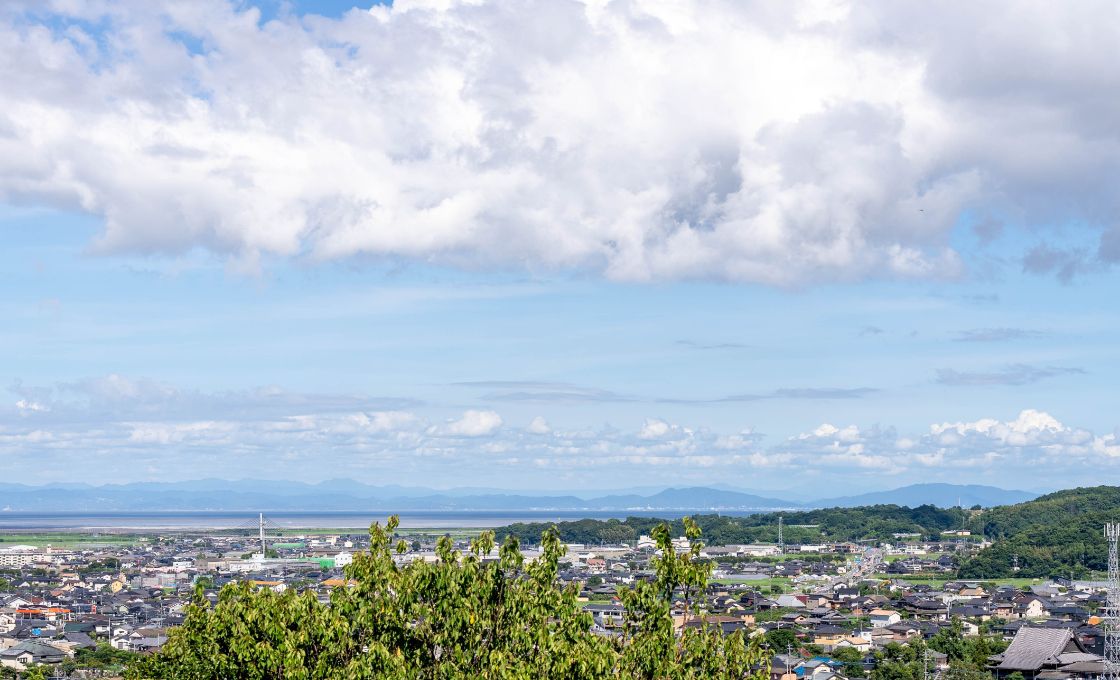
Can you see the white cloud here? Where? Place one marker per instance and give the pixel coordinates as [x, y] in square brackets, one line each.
[25, 405]
[734, 140]
[473, 424]
[539, 426]
[1033, 437]
[288, 440]
[654, 428]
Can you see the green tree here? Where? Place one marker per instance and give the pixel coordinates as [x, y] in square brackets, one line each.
[950, 641]
[36, 672]
[781, 640]
[205, 582]
[966, 671]
[900, 662]
[462, 616]
[853, 661]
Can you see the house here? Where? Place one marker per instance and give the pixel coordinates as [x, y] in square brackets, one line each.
[1037, 650]
[969, 611]
[790, 602]
[861, 644]
[903, 630]
[881, 618]
[827, 637]
[606, 615]
[1031, 608]
[30, 653]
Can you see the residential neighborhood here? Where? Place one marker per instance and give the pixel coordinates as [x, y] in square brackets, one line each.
[827, 611]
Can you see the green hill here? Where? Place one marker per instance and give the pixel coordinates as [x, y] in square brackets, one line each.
[811, 526]
[1058, 534]
[1054, 535]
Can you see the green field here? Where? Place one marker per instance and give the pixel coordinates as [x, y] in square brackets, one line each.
[764, 583]
[68, 539]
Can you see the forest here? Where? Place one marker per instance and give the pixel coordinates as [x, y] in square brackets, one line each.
[1059, 534]
[811, 526]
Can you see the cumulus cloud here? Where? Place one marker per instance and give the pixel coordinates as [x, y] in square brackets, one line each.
[709, 139]
[985, 445]
[539, 426]
[473, 424]
[654, 428]
[467, 449]
[25, 405]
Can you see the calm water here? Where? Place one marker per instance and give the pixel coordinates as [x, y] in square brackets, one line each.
[413, 519]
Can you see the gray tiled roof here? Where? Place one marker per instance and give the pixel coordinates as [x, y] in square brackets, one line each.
[1034, 647]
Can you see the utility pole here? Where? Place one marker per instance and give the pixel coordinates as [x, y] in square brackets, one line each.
[781, 539]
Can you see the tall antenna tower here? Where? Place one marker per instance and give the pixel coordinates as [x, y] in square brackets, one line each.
[1110, 622]
[781, 540]
[264, 551]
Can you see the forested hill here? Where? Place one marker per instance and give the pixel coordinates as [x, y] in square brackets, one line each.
[1053, 535]
[812, 526]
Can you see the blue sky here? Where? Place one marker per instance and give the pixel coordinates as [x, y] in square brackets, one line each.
[362, 245]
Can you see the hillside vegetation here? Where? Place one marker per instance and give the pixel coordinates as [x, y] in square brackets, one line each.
[1059, 534]
[811, 526]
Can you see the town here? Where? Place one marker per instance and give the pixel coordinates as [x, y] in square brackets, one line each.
[826, 611]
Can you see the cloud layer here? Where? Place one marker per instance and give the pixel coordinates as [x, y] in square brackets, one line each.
[174, 438]
[783, 144]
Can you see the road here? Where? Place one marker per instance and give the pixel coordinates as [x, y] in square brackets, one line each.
[864, 569]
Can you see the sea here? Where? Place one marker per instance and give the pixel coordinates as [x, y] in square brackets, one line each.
[410, 519]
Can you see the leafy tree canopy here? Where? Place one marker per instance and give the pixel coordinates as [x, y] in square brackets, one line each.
[477, 615]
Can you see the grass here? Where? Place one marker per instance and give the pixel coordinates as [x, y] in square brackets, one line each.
[763, 583]
[68, 539]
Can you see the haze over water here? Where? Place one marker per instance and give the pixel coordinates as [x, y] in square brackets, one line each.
[415, 519]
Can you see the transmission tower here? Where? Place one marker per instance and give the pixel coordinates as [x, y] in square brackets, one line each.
[781, 540]
[1110, 622]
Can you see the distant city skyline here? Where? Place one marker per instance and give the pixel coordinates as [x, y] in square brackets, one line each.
[822, 244]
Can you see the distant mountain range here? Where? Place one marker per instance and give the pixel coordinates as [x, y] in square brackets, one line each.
[348, 495]
[941, 495]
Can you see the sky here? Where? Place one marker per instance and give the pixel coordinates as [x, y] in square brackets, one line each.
[560, 244]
